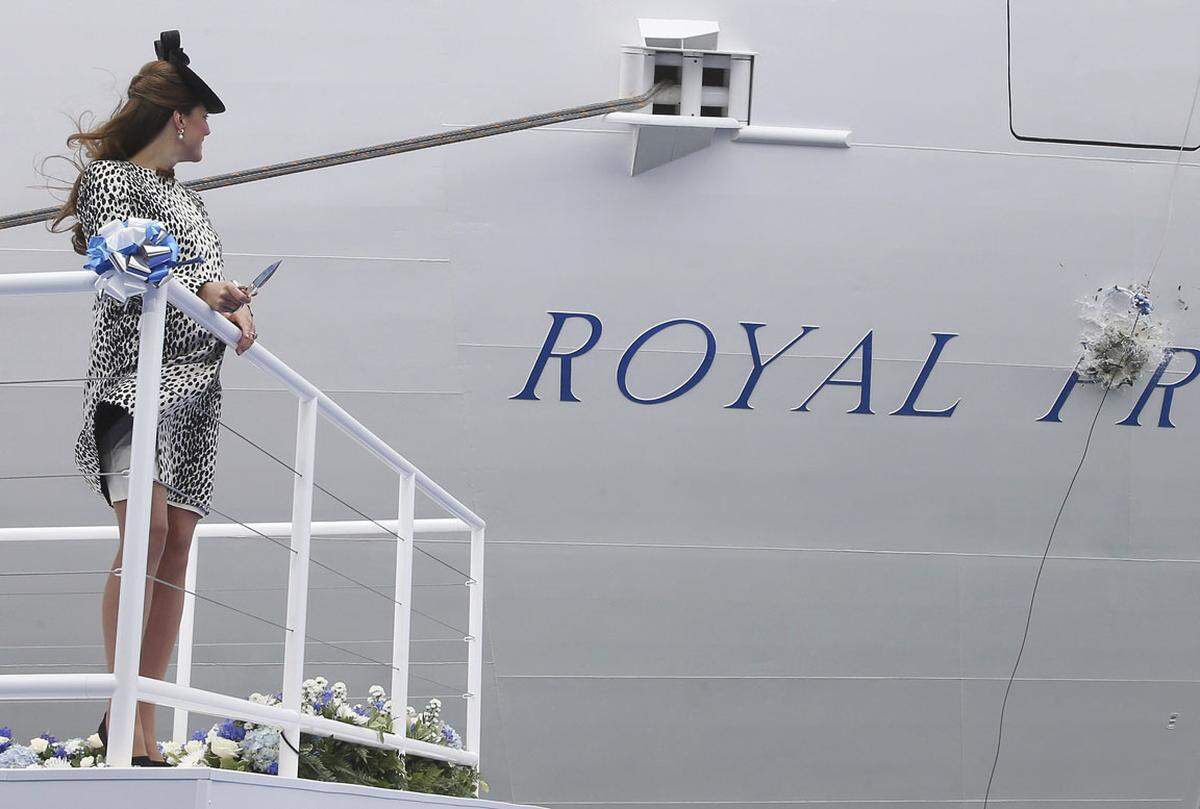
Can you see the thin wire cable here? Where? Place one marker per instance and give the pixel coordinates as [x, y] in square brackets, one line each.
[270, 539]
[54, 573]
[1029, 616]
[370, 659]
[324, 566]
[266, 452]
[385, 149]
[1088, 442]
[1174, 179]
[219, 603]
[331, 645]
[226, 643]
[56, 475]
[316, 485]
[62, 379]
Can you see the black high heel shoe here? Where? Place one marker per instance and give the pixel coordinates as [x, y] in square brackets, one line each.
[137, 761]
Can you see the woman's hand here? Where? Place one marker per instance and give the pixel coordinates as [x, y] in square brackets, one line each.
[224, 296]
[243, 318]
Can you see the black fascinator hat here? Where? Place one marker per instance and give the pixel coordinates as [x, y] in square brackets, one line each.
[167, 48]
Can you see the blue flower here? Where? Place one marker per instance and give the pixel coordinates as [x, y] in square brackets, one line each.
[231, 730]
[451, 736]
[361, 711]
[51, 739]
[6, 733]
[324, 699]
[60, 751]
[199, 735]
[273, 769]
[261, 748]
[16, 756]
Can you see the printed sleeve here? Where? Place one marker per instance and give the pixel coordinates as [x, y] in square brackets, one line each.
[103, 196]
[194, 276]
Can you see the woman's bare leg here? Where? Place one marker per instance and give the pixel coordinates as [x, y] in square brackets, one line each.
[112, 586]
[162, 627]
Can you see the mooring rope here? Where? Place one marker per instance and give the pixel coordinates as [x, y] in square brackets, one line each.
[384, 149]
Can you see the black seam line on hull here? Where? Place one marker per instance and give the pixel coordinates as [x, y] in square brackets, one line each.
[1182, 147]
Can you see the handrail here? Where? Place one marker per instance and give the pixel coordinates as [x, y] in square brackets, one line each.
[186, 301]
[201, 312]
[384, 529]
[125, 685]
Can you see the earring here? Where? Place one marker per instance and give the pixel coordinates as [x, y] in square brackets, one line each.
[181, 134]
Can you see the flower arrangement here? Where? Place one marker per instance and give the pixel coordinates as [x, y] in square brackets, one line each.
[45, 751]
[234, 744]
[1120, 336]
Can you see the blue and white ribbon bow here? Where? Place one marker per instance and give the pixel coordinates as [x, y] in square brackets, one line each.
[130, 253]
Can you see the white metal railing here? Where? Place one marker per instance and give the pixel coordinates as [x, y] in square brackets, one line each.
[125, 686]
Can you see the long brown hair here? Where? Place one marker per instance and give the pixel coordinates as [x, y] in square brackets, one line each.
[154, 94]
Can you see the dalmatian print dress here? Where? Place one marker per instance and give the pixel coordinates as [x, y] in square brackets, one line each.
[190, 399]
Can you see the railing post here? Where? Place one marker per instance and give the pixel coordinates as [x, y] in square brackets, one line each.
[402, 611]
[297, 612]
[475, 645]
[127, 655]
[187, 625]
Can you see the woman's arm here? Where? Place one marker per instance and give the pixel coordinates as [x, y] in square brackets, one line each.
[225, 297]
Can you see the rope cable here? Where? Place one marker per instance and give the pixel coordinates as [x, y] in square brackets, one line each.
[383, 149]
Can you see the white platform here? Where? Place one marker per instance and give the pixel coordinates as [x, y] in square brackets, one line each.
[204, 788]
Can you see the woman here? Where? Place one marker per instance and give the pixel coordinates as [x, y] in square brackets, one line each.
[131, 173]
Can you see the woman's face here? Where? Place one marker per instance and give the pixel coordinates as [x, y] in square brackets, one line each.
[195, 130]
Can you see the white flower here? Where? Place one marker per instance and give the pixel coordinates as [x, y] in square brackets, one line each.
[376, 691]
[193, 747]
[359, 719]
[4, 740]
[57, 763]
[73, 746]
[225, 748]
[339, 691]
[38, 745]
[321, 681]
[344, 712]
[172, 748]
[87, 761]
[94, 742]
[192, 759]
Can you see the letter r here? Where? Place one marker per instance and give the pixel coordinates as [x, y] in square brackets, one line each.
[539, 365]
